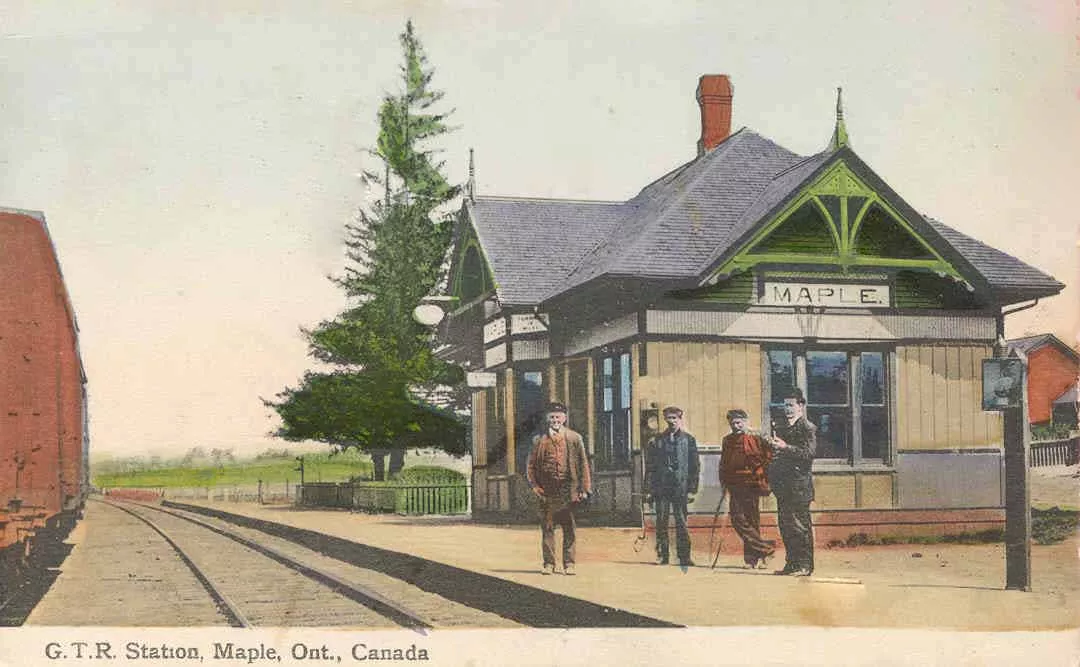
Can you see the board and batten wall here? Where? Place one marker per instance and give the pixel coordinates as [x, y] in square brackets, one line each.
[949, 452]
[705, 379]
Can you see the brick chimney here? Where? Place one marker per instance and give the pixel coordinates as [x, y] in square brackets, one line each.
[714, 98]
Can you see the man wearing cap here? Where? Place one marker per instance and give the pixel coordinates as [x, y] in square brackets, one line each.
[558, 473]
[744, 458]
[673, 467]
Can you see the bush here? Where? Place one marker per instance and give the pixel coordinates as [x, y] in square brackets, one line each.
[1053, 525]
[429, 475]
[1044, 432]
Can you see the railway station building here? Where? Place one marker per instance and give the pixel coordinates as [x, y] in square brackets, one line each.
[743, 272]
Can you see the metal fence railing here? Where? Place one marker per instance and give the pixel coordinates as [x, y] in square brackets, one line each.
[1055, 452]
[445, 499]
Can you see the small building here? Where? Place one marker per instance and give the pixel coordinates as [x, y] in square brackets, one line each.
[1053, 373]
[744, 271]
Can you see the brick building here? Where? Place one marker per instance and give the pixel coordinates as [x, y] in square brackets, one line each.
[1053, 372]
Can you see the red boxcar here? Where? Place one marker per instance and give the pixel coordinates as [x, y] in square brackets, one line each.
[43, 419]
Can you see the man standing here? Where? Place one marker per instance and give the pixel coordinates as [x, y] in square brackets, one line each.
[672, 461]
[558, 473]
[743, 462]
[794, 441]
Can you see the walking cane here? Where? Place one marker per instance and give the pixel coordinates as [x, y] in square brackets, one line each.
[639, 541]
[712, 531]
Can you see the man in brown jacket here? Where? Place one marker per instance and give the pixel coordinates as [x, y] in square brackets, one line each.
[558, 473]
[743, 462]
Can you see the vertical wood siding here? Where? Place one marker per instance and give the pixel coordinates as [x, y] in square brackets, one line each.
[939, 390]
[479, 427]
[706, 379]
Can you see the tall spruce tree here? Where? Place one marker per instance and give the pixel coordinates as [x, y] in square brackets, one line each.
[378, 397]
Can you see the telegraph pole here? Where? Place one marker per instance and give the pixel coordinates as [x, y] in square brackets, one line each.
[1017, 439]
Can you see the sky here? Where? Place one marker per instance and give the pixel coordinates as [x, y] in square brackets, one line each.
[197, 162]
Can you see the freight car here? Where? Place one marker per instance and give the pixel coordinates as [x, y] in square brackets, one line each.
[43, 413]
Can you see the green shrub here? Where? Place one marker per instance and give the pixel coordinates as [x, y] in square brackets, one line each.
[1045, 432]
[429, 475]
[1053, 525]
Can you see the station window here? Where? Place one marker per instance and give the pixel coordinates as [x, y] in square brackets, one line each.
[846, 398]
[614, 377]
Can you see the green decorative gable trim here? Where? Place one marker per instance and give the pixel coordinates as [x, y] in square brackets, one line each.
[472, 278]
[839, 136]
[837, 220]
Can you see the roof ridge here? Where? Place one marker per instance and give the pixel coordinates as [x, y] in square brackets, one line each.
[709, 156]
[601, 202]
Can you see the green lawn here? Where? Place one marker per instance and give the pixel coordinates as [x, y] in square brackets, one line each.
[318, 467]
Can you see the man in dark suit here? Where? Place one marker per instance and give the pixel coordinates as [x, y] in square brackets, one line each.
[793, 442]
[672, 462]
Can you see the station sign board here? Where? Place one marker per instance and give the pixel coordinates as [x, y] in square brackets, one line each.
[832, 295]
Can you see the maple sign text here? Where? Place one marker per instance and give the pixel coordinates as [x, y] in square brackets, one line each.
[837, 295]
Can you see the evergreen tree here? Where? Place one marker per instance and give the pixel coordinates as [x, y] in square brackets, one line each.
[378, 397]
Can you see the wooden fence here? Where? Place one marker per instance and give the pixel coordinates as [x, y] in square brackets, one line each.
[1055, 452]
[446, 499]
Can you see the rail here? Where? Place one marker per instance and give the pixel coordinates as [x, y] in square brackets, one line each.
[1055, 453]
[414, 499]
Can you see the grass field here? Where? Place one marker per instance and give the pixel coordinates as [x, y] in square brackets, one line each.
[318, 468]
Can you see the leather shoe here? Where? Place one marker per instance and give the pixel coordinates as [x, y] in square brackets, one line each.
[788, 569]
[549, 568]
[802, 572]
[568, 570]
[661, 560]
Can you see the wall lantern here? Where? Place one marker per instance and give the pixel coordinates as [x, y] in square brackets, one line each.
[432, 310]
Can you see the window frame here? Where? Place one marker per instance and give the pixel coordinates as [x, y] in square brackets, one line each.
[854, 456]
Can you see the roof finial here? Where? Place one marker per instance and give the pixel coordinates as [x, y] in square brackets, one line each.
[470, 189]
[839, 137]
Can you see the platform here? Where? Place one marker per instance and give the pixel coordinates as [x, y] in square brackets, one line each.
[902, 586]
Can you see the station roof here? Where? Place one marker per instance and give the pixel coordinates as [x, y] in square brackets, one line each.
[677, 227]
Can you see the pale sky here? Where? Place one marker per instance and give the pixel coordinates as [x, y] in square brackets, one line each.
[196, 162]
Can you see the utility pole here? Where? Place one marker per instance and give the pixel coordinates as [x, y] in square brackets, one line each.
[1017, 493]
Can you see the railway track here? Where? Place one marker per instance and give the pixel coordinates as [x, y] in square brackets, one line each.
[473, 599]
[256, 583]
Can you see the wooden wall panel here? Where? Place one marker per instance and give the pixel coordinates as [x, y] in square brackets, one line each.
[479, 427]
[834, 492]
[706, 379]
[939, 390]
[877, 491]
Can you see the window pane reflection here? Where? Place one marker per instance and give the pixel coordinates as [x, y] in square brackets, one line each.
[833, 434]
[826, 378]
[875, 432]
[781, 374]
[873, 378]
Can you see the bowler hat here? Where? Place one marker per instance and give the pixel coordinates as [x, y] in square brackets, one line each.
[555, 407]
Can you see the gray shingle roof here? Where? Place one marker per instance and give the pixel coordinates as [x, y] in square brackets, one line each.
[1029, 344]
[681, 219]
[1001, 270]
[679, 226]
[532, 244]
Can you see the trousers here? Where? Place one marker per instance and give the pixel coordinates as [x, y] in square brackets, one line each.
[667, 506]
[797, 531]
[557, 510]
[746, 520]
